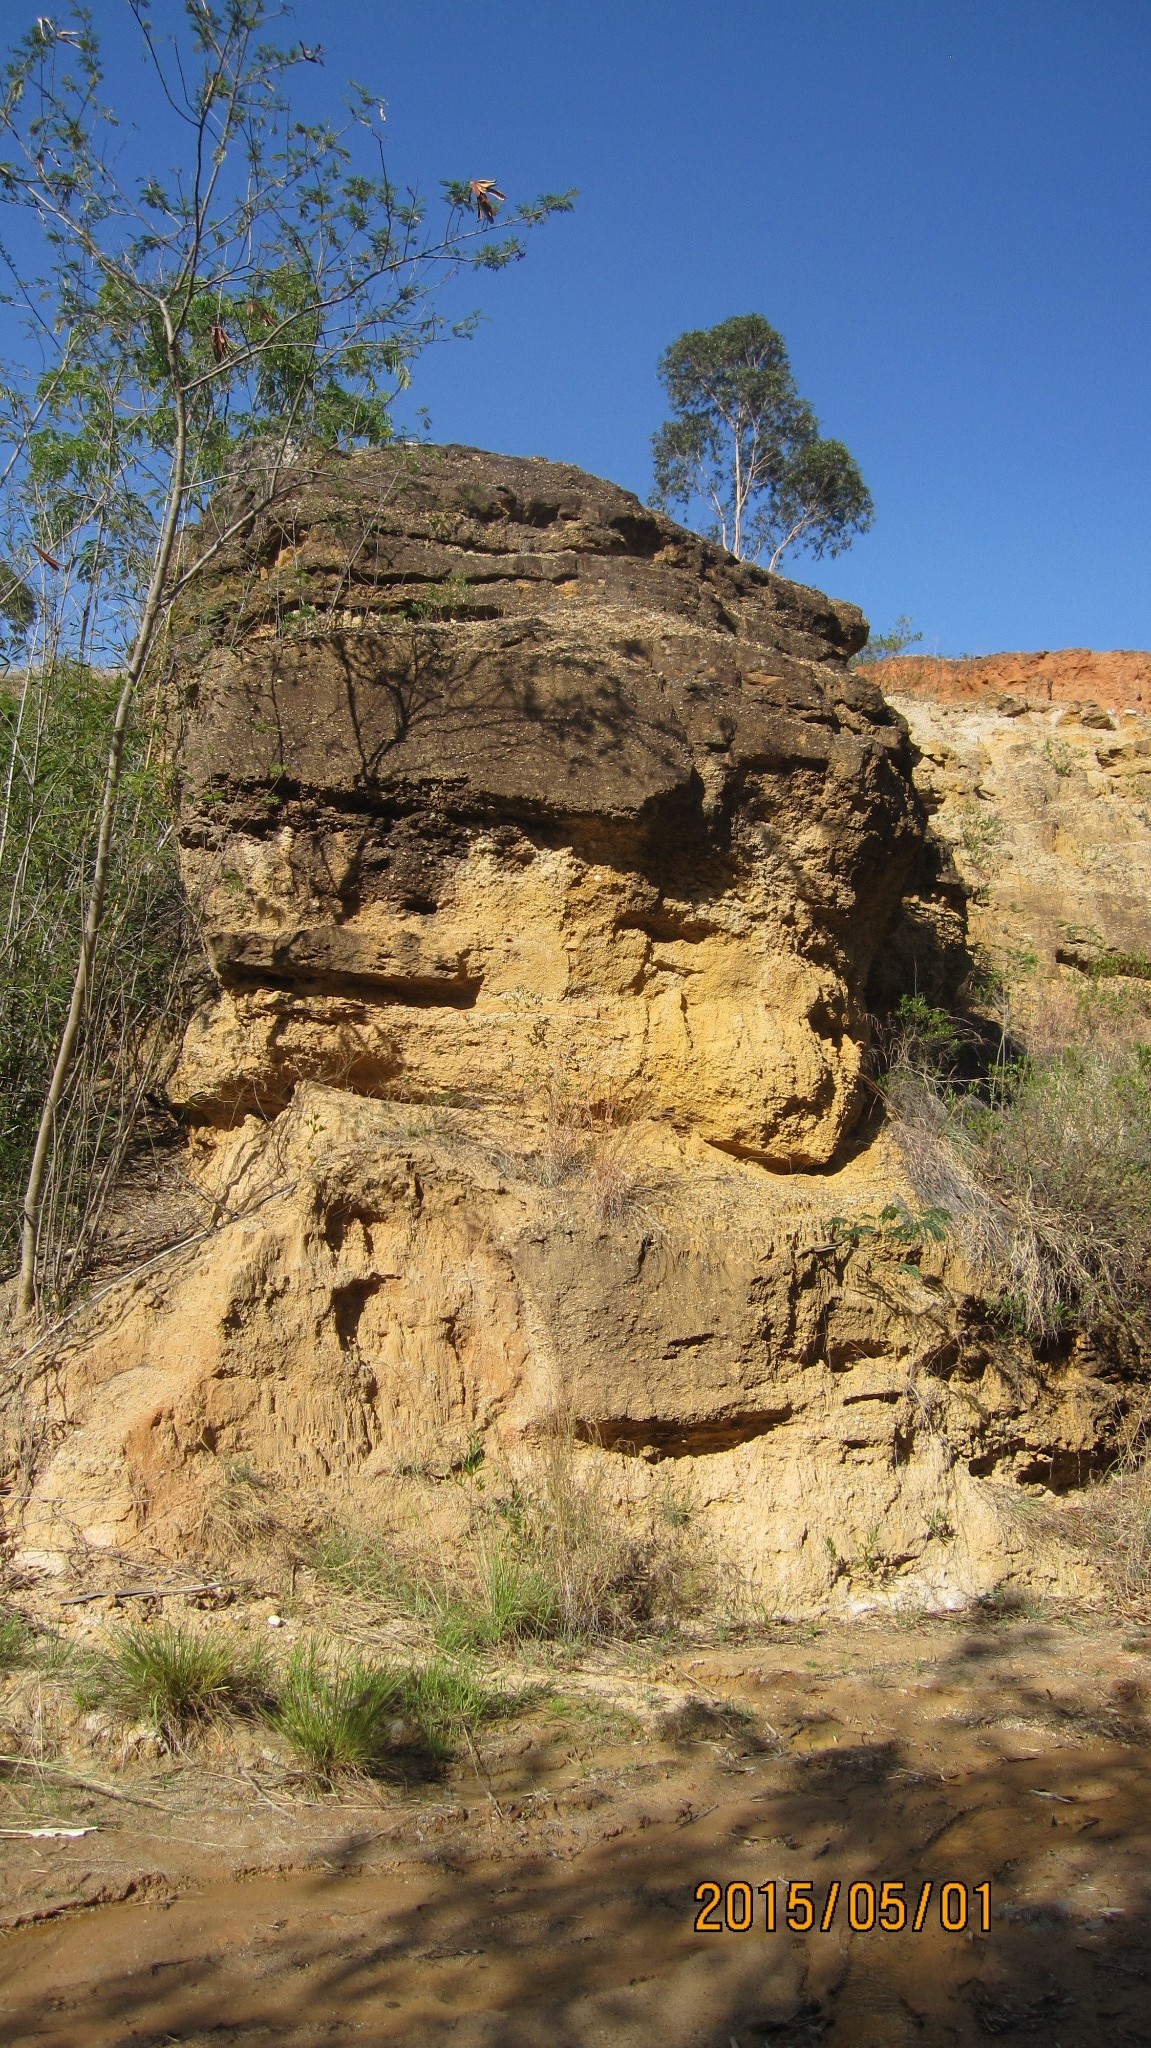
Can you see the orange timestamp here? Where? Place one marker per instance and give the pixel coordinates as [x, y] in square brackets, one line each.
[895, 1905]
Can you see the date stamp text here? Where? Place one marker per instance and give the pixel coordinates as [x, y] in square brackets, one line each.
[895, 1906]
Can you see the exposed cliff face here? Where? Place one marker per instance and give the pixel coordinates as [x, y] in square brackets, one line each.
[392, 1285]
[547, 858]
[623, 809]
[1046, 814]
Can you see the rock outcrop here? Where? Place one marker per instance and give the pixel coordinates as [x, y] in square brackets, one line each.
[491, 773]
[1045, 814]
[547, 857]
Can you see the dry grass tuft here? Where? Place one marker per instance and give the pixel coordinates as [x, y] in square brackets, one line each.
[541, 1552]
[589, 1142]
[613, 1574]
[244, 1516]
[1044, 1168]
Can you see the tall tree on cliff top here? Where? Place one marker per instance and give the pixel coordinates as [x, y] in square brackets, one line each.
[743, 443]
[268, 292]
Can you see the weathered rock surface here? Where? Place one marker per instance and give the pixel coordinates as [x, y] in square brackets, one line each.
[400, 1284]
[1046, 815]
[547, 858]
[492, 773]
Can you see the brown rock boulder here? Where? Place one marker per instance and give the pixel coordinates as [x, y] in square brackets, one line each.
[490, 773]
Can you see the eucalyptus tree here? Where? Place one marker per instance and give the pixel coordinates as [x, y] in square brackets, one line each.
[742, 445]
[269, 293]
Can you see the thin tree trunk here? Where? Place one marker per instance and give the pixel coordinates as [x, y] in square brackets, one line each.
[788, 538]
[94, 917]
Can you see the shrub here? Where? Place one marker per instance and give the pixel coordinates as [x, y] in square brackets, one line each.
[1045, 1170]
[164, 1674]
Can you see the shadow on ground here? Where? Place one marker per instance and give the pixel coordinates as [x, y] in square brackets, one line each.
[577, 1928]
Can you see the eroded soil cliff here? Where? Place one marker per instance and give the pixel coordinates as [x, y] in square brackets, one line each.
[550, 862]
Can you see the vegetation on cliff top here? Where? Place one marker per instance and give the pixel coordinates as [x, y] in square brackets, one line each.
[742, 444]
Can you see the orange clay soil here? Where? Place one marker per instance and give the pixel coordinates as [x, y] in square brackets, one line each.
[1120, 680]
[543, 1892]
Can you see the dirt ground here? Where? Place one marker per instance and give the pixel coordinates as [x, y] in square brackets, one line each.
[544, 1890]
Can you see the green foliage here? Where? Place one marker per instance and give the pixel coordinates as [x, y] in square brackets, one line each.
[53, 746]
[446, 1703]
[886, 646]
[451, 599]
[1059, 756]
[15, 1640]
[281, 300]
[895, 1228]
[925, 1033]
[173, 1678]
[193, 338]
[551, 1562]
[981, 833]
[1116, 964]
[743, 443]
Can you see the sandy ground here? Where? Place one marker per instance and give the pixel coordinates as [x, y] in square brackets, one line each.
[544, 1891]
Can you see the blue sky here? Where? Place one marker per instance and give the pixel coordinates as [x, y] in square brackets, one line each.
[943, 207]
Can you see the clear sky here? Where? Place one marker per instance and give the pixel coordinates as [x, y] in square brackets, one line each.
[943, 205]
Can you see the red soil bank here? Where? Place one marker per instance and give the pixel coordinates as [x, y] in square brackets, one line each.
[1121, 680]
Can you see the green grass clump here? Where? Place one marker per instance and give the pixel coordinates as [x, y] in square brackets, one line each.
[164, 1674]
[342, 1717]
[513, 1598]
[350, 1714]
[15, 1641]
[446, 1702]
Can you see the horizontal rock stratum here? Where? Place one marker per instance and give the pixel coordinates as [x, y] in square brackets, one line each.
[1119, 678]
[491, 773]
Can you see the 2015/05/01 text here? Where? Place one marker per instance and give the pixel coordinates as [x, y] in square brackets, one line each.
[894, 1906]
